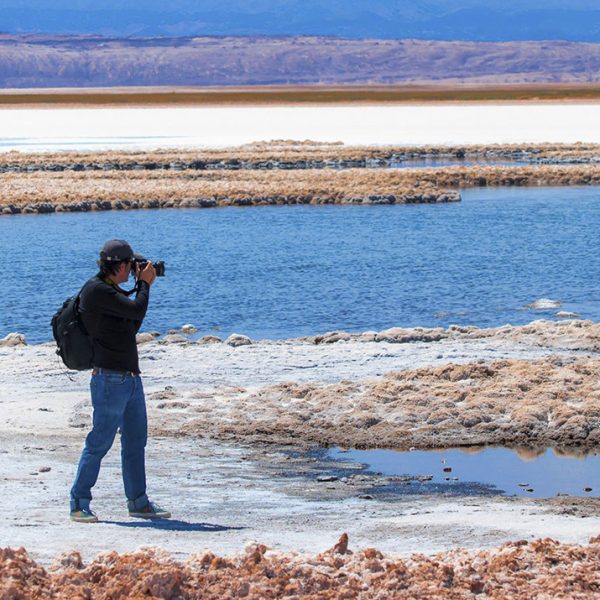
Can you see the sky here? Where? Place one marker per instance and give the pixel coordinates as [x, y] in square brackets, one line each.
[492, 20]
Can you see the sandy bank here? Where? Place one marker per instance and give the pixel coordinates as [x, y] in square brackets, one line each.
[517, 570]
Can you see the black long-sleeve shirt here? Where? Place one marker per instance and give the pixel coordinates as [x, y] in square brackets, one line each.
[112, 319]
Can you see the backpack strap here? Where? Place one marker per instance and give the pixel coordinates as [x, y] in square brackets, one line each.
[78, 312]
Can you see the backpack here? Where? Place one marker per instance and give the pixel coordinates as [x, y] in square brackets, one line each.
[74, 343]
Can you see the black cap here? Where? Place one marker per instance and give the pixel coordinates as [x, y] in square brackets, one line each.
[116, 250]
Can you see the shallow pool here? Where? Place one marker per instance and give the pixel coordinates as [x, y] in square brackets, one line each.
[540, 474]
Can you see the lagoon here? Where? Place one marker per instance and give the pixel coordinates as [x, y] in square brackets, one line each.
[287, 271]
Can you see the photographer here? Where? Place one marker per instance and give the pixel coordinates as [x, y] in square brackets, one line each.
[112, 320]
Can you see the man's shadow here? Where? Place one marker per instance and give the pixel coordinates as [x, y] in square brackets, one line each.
[173, 525]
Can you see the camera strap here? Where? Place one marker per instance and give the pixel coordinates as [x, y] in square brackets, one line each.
[120, 289]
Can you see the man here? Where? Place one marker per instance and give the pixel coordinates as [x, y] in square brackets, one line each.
[112, 320]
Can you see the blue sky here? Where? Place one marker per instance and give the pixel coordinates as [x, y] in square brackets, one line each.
[493, 20]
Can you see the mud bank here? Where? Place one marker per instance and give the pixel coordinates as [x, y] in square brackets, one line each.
[517, 570]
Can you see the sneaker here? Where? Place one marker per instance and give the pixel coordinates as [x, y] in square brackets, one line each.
[83, 516]
[150, 511]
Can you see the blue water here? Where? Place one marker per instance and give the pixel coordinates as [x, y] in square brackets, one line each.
[278, 272]
[540, 476]
[455, 162]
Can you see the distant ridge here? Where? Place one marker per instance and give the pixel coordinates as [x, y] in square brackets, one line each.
[42, 61]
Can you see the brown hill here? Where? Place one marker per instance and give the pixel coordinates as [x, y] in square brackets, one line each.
[30, 61]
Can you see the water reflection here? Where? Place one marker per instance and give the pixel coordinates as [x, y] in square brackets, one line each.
[529, 454]
[534, 472]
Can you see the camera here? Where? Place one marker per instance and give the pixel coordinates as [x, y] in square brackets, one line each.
[141, 262]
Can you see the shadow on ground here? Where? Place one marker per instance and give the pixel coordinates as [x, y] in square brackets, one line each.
[173, 525]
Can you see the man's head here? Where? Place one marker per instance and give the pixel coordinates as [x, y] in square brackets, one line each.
[115, 260]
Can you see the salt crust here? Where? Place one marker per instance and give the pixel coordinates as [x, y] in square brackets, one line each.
[532, 385]
[428, 124]
[13, 339]
[505, 374]
[543, 568]
[271, 153]
[519, 403]
[42, 192]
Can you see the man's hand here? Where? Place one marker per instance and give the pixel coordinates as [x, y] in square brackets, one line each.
[147, 274]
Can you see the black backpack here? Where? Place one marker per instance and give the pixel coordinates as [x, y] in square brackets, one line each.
[74, 343]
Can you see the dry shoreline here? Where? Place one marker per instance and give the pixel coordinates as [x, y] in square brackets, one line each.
[295, 95]
[529, 386]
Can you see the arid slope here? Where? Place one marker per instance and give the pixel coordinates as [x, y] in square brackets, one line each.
[36, 61]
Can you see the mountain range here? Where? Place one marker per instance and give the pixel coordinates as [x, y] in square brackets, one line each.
[32, 61]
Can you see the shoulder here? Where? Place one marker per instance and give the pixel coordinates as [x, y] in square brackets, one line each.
[96, 286]
[94, 282]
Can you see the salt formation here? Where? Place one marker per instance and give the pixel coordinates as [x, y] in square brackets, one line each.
[519, 570]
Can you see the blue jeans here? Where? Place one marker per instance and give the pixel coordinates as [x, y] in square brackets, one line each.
[118, 402]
